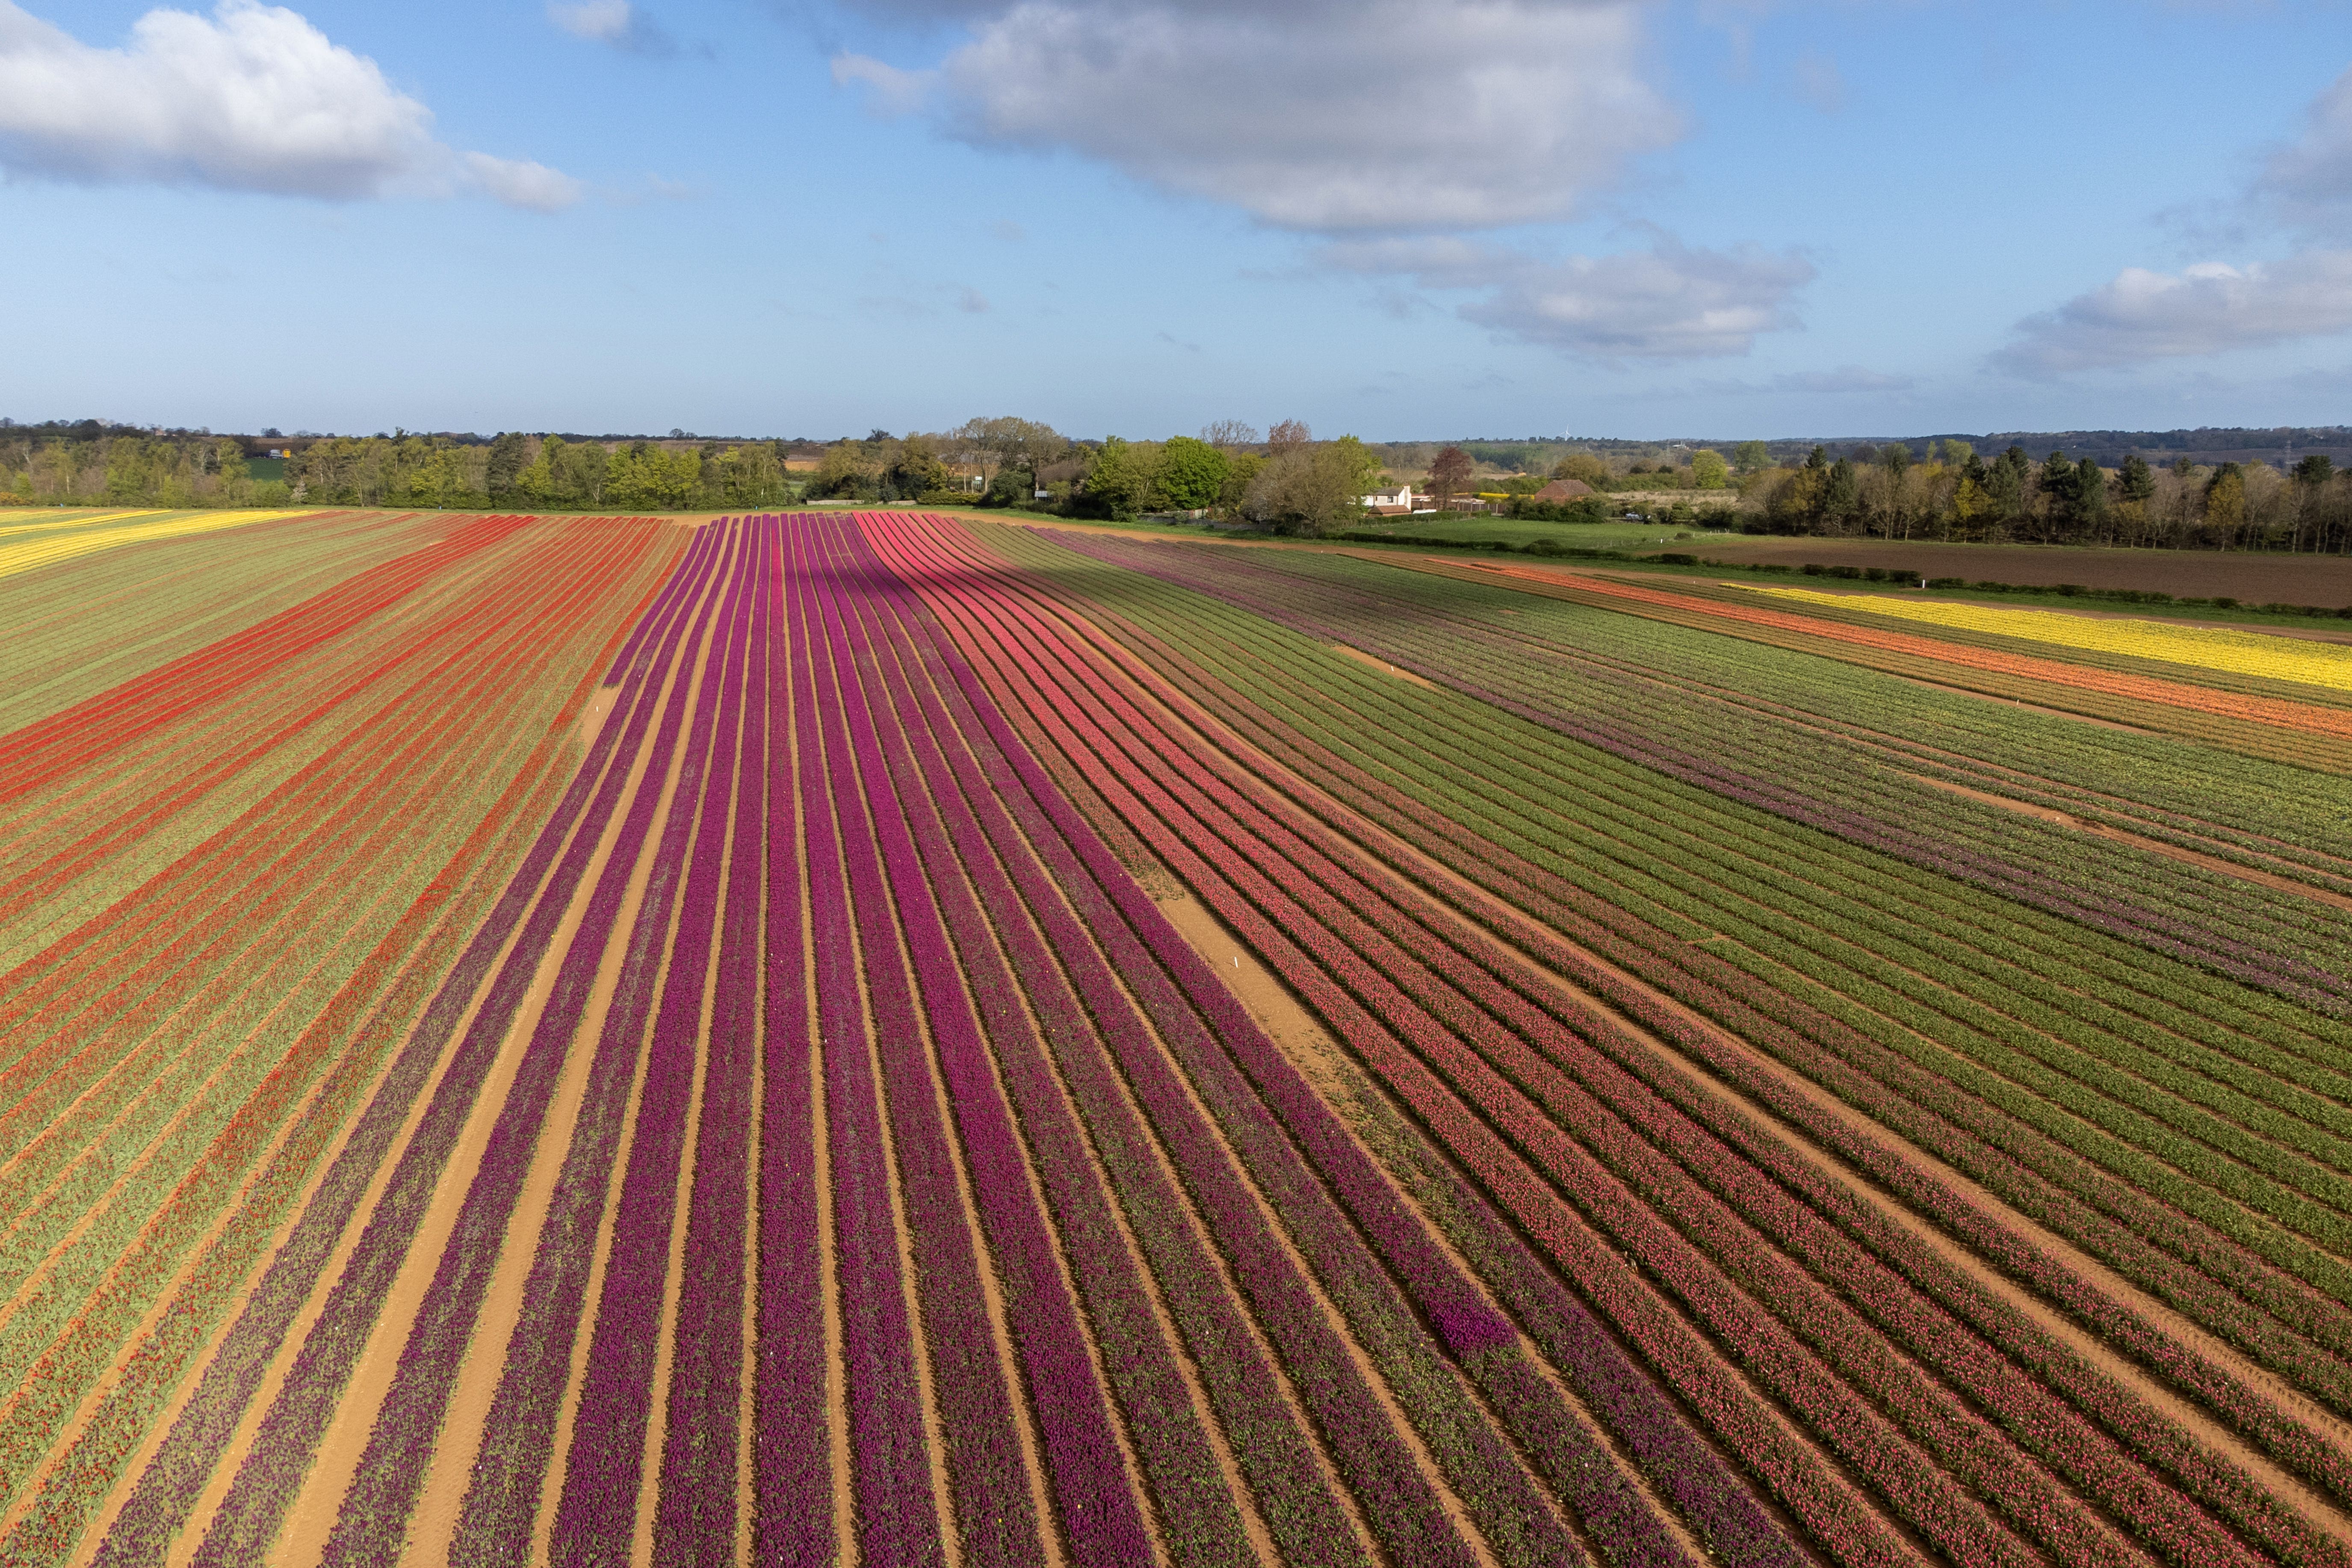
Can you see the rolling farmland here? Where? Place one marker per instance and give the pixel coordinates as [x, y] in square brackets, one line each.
[892, 1039]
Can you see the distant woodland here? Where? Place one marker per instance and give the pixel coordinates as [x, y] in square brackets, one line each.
[2282, 490]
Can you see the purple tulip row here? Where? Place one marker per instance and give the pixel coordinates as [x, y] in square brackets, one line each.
[793, 1460]
[1199, 1520]
[375, 1511]
[1305, 1520]
[891, 1459]
[1628, 1532]
[2058, 1173]
[1101, 1517]
[502, 1498]
[178, 1473]
[695, 1518]
[1403, 1512]
[603, 1466]
[2190, 1524]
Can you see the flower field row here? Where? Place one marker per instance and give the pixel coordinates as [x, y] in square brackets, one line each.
[28, 547]
[589, 1042]
[2257, 1418]
[2203, 648]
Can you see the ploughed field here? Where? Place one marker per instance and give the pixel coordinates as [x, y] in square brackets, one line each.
[895, 1040]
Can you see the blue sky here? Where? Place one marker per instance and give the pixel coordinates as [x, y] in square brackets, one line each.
[1402, 218]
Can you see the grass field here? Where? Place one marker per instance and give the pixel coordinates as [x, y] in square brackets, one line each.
[896, 1038]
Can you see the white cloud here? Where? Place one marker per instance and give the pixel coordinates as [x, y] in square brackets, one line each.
[520, 183]
[252, 98]
[2204, 310]
[891, 92]
[615, 22]
[1395, 115]
[2309, 181]
[1667, 302]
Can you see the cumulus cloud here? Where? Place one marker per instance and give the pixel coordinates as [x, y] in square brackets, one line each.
[615, 22]
[252, 98]
[2141, 315]
[1670, 301]
[1319, 115]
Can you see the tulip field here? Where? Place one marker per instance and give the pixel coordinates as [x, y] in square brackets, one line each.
[886, 1038]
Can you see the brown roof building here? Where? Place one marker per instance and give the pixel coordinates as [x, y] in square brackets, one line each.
[1563, 489]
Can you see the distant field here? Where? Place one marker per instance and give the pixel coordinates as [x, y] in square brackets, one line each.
[2184, 573]
[868, 1036]
[1468, 529]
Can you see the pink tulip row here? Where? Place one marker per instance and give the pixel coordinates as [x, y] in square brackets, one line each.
[1411, 1520]
[695, 1518]
[982, 1458]
[1199, 1520]
[1471, 1325]
[792, 1483]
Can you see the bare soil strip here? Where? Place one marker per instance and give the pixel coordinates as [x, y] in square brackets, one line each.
[2213, 863]
[1361, 657]
[1343, 1084]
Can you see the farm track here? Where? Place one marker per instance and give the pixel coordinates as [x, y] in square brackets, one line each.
[876, 1038]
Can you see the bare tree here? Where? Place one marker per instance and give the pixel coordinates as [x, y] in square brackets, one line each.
[1227, 434]
[1286, 434]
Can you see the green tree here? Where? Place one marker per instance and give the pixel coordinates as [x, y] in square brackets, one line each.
[1192, 473]
[1710, 468]
[507, 451]
[1955, 453]
[2136, 483]
[1751, 457]
[1124, 475]
[1312, 488]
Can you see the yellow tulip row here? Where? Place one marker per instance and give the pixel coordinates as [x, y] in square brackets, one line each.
[63, 540]
[2203, 648]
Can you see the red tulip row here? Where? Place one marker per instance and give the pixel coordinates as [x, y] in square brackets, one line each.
[2187, 1536]
[289, 1429]
[184, 1174]
[2137, 1428]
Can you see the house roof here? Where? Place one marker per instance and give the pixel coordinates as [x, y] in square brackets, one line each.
[1563, 489]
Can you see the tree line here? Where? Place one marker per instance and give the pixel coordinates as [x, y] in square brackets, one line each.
[1282, 480]
[514, 470]
[1958, 494]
